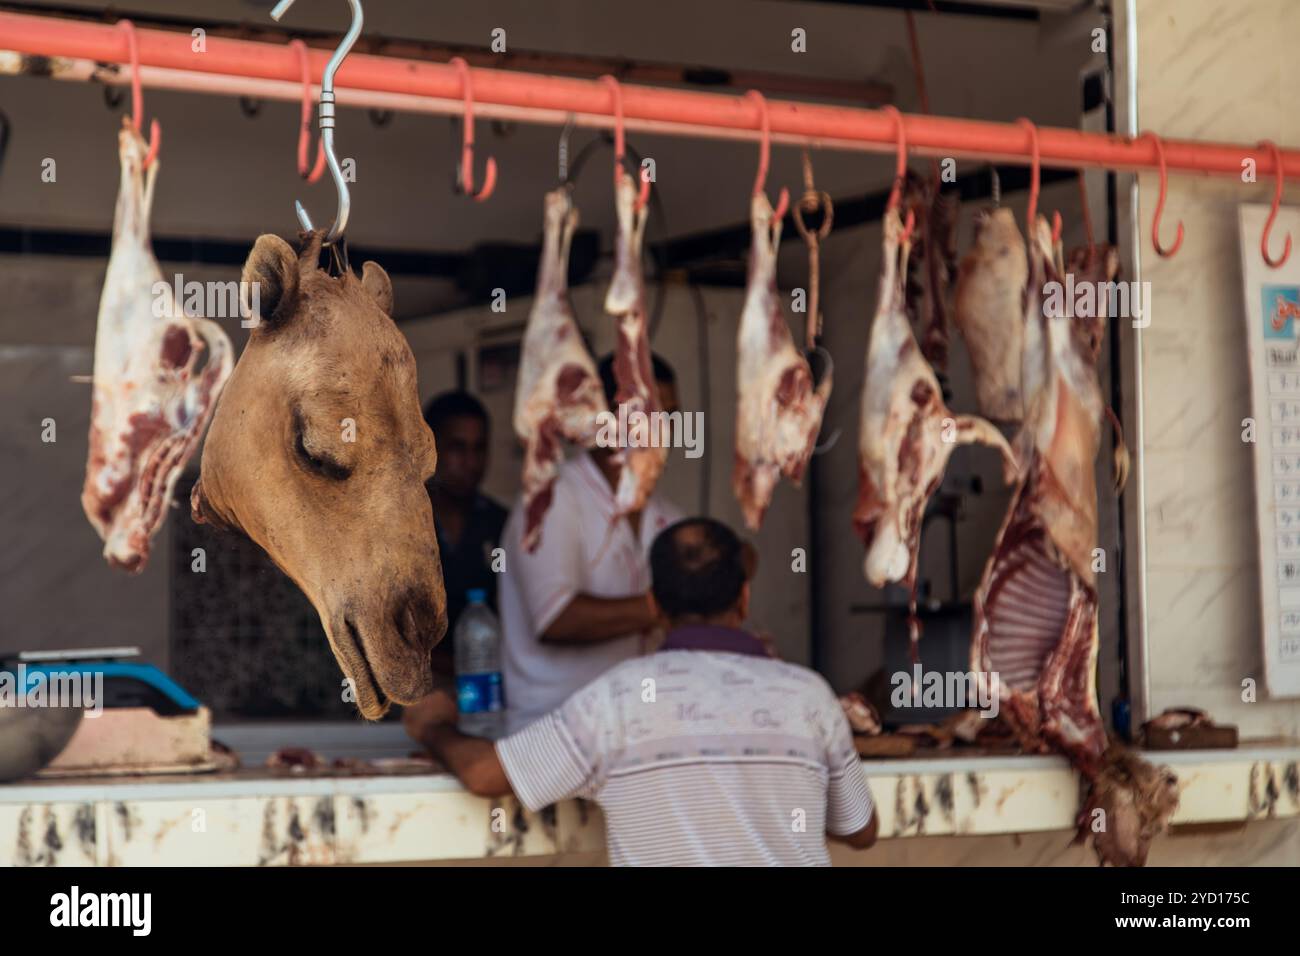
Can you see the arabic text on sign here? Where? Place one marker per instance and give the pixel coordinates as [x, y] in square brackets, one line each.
[1281, 382]
[1285, 410]
[1286, 437]
[1286, 492]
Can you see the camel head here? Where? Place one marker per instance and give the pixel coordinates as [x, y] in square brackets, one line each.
[319, 454]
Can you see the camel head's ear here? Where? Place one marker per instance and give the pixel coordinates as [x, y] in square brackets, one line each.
[269, 288]
[378, 286]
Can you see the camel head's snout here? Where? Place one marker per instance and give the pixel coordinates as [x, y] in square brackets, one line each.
[383, 646]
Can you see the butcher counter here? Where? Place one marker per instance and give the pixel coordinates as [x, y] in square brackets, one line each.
[1246, 798]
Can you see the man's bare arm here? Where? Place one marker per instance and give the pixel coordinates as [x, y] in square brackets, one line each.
[473, 760]
[587, 619]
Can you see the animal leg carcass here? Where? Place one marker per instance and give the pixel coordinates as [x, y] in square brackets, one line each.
[642, 459]
[559, 395]
[151, 399]
[907, 432]
[778, 411]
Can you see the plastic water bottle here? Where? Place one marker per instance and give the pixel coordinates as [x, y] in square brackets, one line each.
[478, 669]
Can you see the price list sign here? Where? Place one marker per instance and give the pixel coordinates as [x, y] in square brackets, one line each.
[1273, 334]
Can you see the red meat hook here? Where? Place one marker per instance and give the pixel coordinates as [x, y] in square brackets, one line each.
[137, 96]
[620, 143]
[765, 155]
[1160, 202]
[467, 142]
[312, 174]
[900, 172]
[1035, 177]
[1272, 214]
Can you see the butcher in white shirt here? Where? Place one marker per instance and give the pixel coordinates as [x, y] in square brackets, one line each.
[581, 602]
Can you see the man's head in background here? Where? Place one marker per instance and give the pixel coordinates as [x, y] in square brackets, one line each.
[460, 428]
[697, 572]
[665, 379]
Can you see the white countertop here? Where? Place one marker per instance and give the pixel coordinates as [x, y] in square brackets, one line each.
[259, 817]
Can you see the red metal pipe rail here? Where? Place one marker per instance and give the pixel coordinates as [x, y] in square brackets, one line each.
[704, 113]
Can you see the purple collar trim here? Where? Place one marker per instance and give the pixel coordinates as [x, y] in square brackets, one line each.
[711, 637]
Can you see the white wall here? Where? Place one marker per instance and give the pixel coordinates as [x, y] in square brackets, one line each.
[1211, 71]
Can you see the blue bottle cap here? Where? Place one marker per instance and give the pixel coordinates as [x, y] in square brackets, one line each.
[476, 596]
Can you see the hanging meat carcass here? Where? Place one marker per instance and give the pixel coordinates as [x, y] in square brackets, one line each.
[637, 394]
[931, 266]
[559, 395]
[989, 313]
[778, 411]
[1097, 267]
[907, 433]
[1035, 613]
[151, 401]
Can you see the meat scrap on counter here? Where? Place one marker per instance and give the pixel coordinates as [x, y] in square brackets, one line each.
[861, 715]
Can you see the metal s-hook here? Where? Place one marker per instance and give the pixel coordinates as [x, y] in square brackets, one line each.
[1035, 177]
[327, 121]
[137, 95]
[465, 174]
[765, 155]
[620, 142]
[1272, 214]
[1160, 202]
[563, 150]
[900, 172]
[813, 201]
[310, 173]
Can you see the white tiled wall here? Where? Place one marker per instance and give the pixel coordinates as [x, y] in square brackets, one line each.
[1214, 71]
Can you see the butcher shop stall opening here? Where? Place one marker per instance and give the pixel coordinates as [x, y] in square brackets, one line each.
[753, 432]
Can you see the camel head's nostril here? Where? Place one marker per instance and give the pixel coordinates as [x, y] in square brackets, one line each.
[418, 621]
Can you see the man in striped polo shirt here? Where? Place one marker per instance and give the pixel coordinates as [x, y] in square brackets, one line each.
[708, 752]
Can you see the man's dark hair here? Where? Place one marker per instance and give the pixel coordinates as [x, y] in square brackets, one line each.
[442, 408]
[696, 568]
[663, 373]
